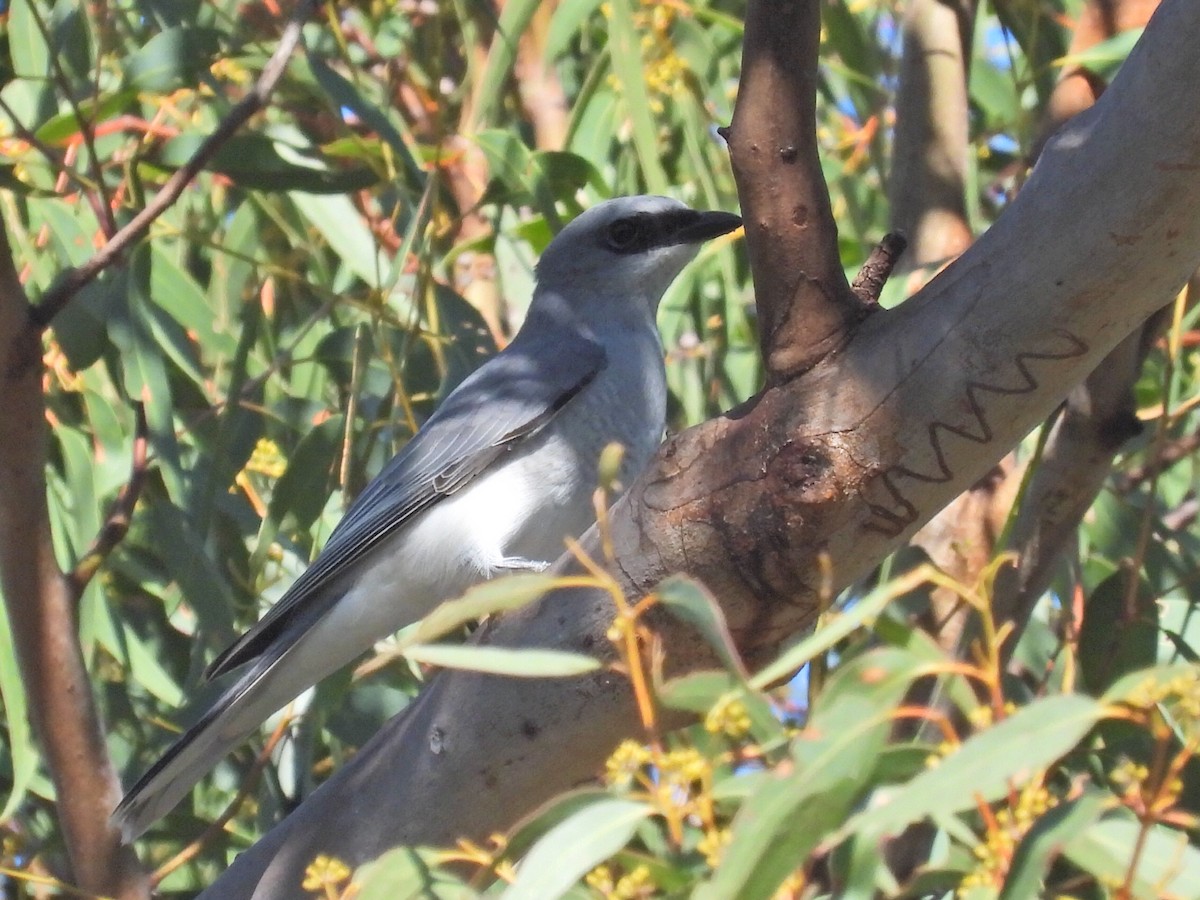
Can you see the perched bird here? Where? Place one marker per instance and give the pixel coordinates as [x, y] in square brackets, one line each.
[493, 482]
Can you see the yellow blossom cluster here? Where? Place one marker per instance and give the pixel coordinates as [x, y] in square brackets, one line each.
[713, 844]
[267, 459]
[625, 763]
[663, 69]
[1180, 694]
[630, 886]
[324, 873]
[1006, 828]
[728, 716]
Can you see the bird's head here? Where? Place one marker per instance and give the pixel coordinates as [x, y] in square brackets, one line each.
[628, 248]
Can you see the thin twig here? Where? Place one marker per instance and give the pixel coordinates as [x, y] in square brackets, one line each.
[53, 157]
[871, 278]
[72, 280]
[1165, 456]
[101, 203]
[116, 523]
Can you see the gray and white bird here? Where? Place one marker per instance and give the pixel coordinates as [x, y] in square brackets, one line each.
[493, 482]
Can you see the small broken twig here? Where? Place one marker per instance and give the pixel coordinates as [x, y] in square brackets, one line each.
[871, 278]
[116, 523]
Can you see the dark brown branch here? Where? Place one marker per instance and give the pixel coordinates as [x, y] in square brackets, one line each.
[805, 306]
[72, 280]
[41, 609]
[116, 523]
[1171, 452]
[871, 278]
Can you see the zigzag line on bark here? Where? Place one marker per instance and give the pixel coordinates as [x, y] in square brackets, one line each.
[893, 523]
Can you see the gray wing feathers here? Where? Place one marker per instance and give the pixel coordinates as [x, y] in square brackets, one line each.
[507, 400]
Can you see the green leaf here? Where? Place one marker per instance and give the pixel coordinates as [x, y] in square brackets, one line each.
[27, 47]
[514, 662]
[143, 371]
[408, 872]
[1044, 842]
[1107, 652]
[1127, 688]
[576, 846]
[698, 691]
[344, 94]
[172, 59]
[1167, 865]
[691, 602]
[68, 227]
[515, 16]
[536, 824]
[200, 581]
[79, 328]
[340, 224]
[144, 668]
[798, 805]
[569, 17]
[305, 485]
[175, 291]
[508, 159]
[625, 51]
[25, 757]
[1105, 58]
[59, 129]
[986, 766]
[701, 691]
[259, 162]
[500, 595]
[837, 628]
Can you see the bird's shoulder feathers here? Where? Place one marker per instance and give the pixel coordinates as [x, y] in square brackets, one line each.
[506, 401]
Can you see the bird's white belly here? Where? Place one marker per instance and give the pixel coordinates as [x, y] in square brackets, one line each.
[524, 507]
[460, 541]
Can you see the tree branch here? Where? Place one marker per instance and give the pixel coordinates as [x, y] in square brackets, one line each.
[116, 523]
[875, 272]
[42, 611]
[805, 306]
[928, 188]
[1098, 416]
[72, 280]
[929, 167]
[1096, 421]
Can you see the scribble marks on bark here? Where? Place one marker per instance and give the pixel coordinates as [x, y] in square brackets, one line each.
[892, 520]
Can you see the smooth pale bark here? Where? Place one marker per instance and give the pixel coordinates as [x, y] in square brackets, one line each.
[848, 459]
[928, 189]
[927, 183]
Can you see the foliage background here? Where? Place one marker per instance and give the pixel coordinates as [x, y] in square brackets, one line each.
[339, 267]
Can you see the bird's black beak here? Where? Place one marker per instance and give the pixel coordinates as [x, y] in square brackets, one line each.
[694, 226]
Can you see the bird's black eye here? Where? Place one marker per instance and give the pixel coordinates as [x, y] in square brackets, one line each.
[625, 235]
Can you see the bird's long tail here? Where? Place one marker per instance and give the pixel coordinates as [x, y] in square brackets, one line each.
[238, 711]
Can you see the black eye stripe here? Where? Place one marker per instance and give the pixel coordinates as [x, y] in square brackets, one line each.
[632, 234]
